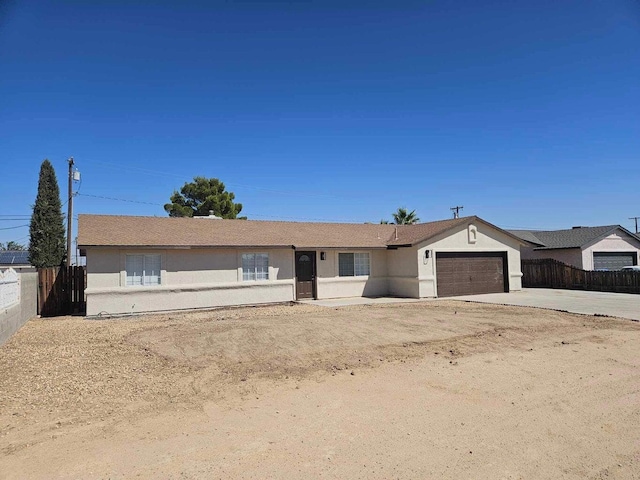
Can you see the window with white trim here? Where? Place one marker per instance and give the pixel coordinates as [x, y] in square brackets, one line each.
[142, 270]
[255, 266]
[353, 264]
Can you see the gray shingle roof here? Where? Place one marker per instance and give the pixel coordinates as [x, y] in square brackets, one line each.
[14, 257]
[576, 237]
[526, 235]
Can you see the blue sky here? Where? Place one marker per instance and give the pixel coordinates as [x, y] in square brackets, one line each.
[525, 113]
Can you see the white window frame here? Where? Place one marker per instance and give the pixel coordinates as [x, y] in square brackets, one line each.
[148, 261]
[359, 264]
[254, 266]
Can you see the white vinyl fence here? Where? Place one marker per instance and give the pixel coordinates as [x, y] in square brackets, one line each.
[9, 288]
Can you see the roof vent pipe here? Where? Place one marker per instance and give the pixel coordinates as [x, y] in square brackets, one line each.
[396, 233]
[210, 216]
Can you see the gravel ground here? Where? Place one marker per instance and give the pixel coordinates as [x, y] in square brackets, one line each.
[78, 396]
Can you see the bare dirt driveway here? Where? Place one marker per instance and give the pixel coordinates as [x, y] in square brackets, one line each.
[418, 390]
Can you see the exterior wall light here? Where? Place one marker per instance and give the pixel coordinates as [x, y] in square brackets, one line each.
[323, 256]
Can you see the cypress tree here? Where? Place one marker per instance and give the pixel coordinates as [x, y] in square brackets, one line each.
[47, 243]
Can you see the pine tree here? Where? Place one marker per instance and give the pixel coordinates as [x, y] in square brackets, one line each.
[202, 196]
[47, 244]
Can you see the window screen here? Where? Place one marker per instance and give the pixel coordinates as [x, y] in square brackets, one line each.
[353, 264]
[255, 266]
[151, 270]
[345, 264]
[361, 263]
[143, 269]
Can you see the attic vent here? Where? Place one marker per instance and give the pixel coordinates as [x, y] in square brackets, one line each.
[574, 228]
[473, 234]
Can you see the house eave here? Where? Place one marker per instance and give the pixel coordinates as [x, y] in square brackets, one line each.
[470, 220]
[555, 248]
[191, 247]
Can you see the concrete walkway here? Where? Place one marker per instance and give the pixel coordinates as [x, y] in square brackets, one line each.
[576, 301]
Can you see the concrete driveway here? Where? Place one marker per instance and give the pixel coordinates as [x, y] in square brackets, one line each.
[576, 301]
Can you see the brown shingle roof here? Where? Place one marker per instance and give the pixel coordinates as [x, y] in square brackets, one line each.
[114, 230]
[107, 230]
[412, 234]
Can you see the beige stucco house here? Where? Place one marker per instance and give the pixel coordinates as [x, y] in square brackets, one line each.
[608, 247]
[144, 264]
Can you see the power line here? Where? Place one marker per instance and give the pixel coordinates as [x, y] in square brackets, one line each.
[277, 217]
[145, 171]
[13, 228]
[21, 238]
[118, 199]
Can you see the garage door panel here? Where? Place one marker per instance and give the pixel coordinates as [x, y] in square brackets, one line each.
[613, 260]
[465, 273]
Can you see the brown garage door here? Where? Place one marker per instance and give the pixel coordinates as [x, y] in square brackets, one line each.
[470, 273]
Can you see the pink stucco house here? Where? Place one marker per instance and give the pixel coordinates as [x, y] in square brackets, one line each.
[608, 247]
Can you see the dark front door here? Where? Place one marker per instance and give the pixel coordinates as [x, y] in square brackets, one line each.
[305, 275]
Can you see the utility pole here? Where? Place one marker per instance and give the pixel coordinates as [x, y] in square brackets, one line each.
[70, 211]
[456, 211]
[636, 219]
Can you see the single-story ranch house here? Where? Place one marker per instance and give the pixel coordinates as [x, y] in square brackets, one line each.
[143, 264]
[608, 247]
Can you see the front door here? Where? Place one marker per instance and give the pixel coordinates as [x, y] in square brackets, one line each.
[305, 275]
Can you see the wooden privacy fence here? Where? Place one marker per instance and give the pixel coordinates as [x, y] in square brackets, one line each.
[548, 273]
[61, 291]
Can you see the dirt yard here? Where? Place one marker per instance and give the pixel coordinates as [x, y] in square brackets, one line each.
[418, 390]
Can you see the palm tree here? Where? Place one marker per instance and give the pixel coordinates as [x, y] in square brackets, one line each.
[404, 217]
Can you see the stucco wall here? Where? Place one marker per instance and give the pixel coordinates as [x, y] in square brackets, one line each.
[402, 265]
[103, 268]
[570, 256]
[331, 285]
[12, 318]
[583, 258]
[527, 253]
[616, 242]
[198, 278]
[482, 239]
[201, 278]
[153, 299]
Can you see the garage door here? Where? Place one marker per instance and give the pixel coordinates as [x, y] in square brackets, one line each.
[613, 260]
[470, 273]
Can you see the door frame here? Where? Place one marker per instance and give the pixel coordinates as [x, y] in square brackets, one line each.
[314, 275]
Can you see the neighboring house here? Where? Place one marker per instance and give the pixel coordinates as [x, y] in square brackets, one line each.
[16, 259]
[141, 264]
[609, 247]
